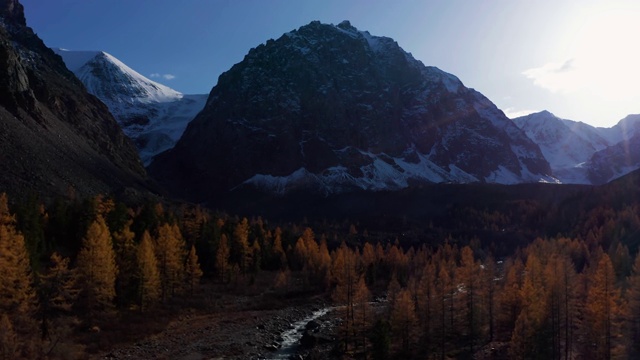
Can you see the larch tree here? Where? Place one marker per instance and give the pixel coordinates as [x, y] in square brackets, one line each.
[8, 339]
[240, 247]
[603, 308]
[97, 269]
[427, 303]
[170, 253]
[57, 292]
[633, 298]
[17, 296]
[468, 274]
[222, 259]
[278, 250]
[362, 312]
[489, 290]
[344, 275]
[125, 251]
[147, 273]
[403, 318]
[529, 338]
[192, 270]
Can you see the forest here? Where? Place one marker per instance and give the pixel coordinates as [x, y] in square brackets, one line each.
[477, 282]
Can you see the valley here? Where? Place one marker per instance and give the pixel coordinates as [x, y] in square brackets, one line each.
[332, 197]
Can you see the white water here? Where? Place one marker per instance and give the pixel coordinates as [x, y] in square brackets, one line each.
[292, 336]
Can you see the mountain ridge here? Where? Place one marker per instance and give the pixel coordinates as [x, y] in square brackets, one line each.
[332, 108]
[583, 154]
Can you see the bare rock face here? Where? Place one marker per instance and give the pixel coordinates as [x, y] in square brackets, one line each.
[333, 109]
[53, 134]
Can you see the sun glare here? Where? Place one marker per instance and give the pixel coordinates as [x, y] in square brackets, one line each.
[600, 57]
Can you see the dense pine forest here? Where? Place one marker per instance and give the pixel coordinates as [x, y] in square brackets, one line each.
[524, 279]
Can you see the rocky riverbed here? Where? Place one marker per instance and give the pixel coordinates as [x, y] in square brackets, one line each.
[240, 332]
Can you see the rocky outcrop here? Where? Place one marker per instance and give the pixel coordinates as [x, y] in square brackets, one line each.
[53, 134]
[332, 109]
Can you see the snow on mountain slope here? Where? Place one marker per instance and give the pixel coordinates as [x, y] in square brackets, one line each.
[624, 130]
[153, 115]
[582, 154]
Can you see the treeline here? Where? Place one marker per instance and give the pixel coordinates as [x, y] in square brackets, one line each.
[555, 299]
[42, 301]
[73, 265]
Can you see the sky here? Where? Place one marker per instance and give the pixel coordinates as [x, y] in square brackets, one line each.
[579, 59]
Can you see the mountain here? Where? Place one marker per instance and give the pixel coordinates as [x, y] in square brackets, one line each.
[583, 154]
[53, 134]
[331, 109]
[566, 145]
[153, 115]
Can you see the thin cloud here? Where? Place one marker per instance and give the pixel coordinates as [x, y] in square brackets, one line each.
[164, 76]
[556, 77]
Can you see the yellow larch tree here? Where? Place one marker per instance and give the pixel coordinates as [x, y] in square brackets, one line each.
[192, 270]
[603, 309]
[170, 253]
[97, 269]
[222, 259]
[125, 251]
[147, 273]
[403, 318]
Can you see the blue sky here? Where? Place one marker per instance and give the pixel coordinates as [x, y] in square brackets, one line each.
[578, 59]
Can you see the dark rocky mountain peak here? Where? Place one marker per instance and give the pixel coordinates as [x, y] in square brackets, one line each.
[53, 134]
[331, 108]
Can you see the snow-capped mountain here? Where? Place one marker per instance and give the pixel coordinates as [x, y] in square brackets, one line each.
[153, 115]
[583, 154]
[54, 136]
[333, 109]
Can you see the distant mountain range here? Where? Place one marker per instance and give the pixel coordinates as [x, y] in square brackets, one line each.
[324, 109]
[153, 115]
[582, 154]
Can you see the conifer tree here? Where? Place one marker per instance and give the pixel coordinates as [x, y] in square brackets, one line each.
[97, 269]
[468, 276]
[8, 339]
[241, 252]
[147, 273]
[403, 318]
[602, 307]
[192, 270]
[125, 251]
[222, 259]
[362, 311]
[278, 250]
[58, 291]
[170, 253]
[633, 298]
